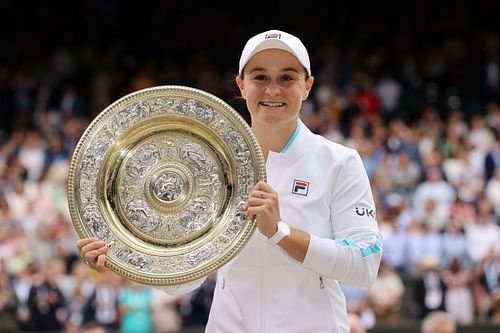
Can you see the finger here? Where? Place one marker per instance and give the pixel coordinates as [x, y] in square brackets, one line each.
[91, 256]
[85, 241]
[255, 194]
[253, 202]
[253, 212]
[101, 263]
[96, 244]
[263, 186]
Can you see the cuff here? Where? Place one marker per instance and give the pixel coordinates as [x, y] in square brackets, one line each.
[320, 256]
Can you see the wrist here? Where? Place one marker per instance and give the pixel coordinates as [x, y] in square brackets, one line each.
[283, 230]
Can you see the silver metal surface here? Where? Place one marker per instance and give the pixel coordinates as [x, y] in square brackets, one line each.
[162, 175]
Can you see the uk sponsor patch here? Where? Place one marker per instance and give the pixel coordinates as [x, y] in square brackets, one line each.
[300, 187]
[364, 211]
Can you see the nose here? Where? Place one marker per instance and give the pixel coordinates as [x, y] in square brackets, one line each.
[273, 89]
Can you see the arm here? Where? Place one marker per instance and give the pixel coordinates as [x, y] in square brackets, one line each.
[354, 255]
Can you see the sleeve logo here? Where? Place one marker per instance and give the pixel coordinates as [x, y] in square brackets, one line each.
[300, 187]
[368, 212]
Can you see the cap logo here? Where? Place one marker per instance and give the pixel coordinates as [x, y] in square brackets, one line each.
[273, 36]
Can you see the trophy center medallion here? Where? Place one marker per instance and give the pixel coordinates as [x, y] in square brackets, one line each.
[168, 186]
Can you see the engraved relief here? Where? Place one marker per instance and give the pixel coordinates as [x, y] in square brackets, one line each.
[131, 115]
[171, 186]
[170, 149]
[190, 220]
[164, 105]
[239, 219]
[237, 144]
[139, 165]
[95, 222]
[133, 258]
[202, 113]
[202, 255]
[168, 186]
[140, 110]
[93, 158]
[195, 158]
[142, 218]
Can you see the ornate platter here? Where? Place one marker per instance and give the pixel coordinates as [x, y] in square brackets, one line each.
[162, 175]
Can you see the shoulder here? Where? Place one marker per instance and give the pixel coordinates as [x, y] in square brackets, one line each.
[328, 148]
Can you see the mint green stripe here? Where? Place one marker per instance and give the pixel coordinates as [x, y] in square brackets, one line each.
[292, 138]
[366, 251]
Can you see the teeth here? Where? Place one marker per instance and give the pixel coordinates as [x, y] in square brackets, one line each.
[274, 104]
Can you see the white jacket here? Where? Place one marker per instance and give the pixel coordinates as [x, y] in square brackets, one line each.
[323, 190]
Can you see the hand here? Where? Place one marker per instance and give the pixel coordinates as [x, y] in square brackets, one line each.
[263, 206]
[93, 252]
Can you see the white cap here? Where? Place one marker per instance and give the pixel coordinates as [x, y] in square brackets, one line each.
[275, 39]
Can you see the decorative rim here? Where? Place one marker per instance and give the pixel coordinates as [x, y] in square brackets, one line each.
[162, 175]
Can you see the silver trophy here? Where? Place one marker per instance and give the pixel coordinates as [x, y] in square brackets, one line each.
[162, 176]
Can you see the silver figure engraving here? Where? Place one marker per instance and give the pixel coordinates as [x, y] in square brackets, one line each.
[94, 220]
[195, 158]
[142, 218]
[146, 158]
[168, 186]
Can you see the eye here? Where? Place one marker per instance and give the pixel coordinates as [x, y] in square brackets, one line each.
[286, 78]
[260, 77]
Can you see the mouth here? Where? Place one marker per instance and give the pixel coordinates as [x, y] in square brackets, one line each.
[272, 104]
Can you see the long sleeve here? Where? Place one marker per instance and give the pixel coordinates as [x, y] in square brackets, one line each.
[353, 255]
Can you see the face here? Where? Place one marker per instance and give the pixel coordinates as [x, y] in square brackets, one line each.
[274, 86]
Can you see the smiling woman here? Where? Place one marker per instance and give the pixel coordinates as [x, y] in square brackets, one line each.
[315, 213]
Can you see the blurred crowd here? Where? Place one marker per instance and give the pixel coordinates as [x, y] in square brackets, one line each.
[426, 124]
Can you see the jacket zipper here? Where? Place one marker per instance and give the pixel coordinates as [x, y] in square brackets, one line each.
[325, 301]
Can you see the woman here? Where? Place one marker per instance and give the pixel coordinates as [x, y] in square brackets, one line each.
[315, 215]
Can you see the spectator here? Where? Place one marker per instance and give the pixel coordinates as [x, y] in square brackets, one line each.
[134, 306]
[438, 322]
[7, 303]
[165, 315]
[102, 305]
[494, 311]
[492, 158]
[385, 295]
[486, 283]
[434, 188]
[429, 287]
[492, 192]
[46, 304]
[455, 245]
[484, 235]
[458, 294]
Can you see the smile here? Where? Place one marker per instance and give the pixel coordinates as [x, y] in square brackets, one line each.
[272, 104]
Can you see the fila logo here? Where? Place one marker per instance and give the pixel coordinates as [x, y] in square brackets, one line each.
[300, 187]
[273, 36]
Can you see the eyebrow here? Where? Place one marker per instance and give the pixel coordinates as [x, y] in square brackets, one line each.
[262, 69]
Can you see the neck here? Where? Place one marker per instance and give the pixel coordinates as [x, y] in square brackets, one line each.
[273, 138]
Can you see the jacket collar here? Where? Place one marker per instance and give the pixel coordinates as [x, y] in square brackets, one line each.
[296, 145]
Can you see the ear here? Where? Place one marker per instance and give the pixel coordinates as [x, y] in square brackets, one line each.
[309, 84]
[239, 83]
